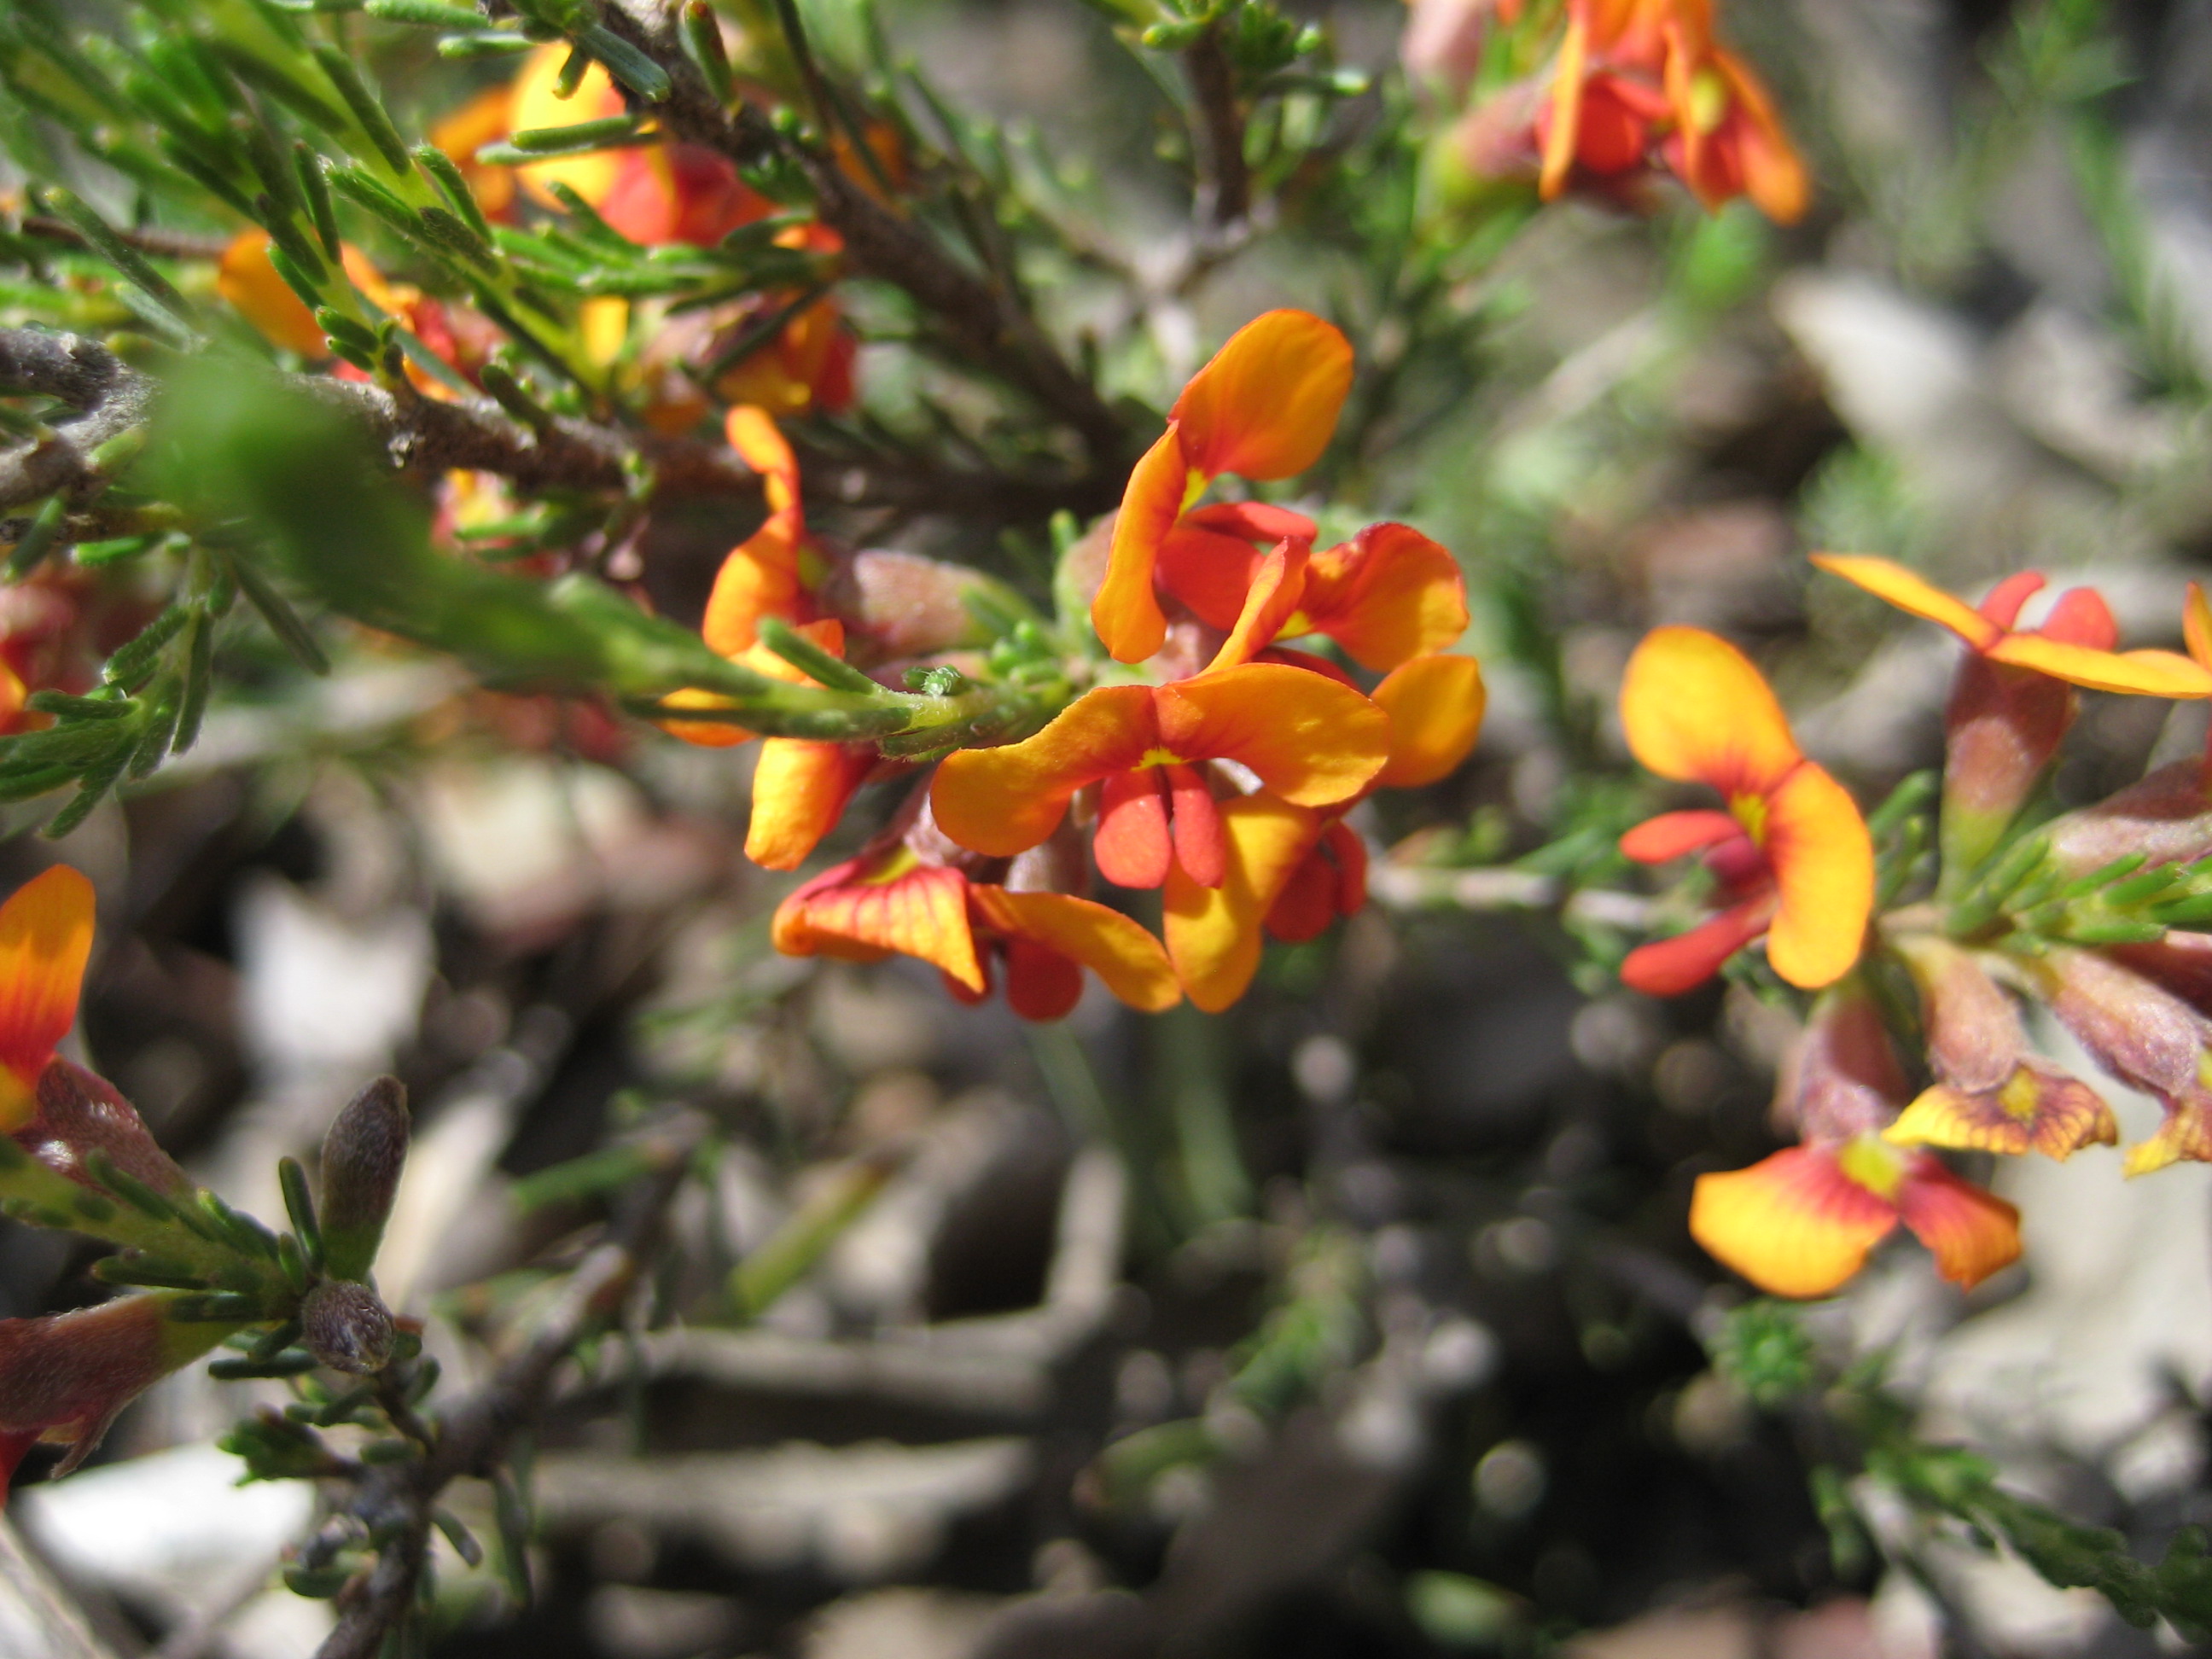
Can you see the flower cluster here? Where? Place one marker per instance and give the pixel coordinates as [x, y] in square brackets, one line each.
[1172, 741]
[1625, 90]
[788, 351]
[2091, 914]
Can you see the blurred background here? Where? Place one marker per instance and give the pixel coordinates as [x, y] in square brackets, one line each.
[1359, 1321]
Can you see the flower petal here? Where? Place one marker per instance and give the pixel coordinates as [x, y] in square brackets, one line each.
[1004, 801]
[2197, 626]
[801, 790]
[1566, 108]
[1131, 842]
[1436, 706]
[1672, 834]
[1389, 594]
[2186, 1134]
[1124, 612]
[1972, 1233]
[1209, 572]
[861, 915]
[1823, 862]
[1694, 709]
[536, 105]
[45, 938]
[2081, 618]
[1212, 933]
[1267, 404]
[1131, 963]
[1668, 967]
[2146, 674]
[1794, 1224]
[1887, 579]
[1310, 740]
[1277, 584]
[2039, 1108]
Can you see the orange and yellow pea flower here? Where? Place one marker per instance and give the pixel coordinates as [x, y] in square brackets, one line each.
[246, 279]
[893, 900]
[800, 785]
[769, 573]
[1264, 407]
[1310, 741]
[1991, 1093]
[2065, 648]
[1634, 76]
[45, 940]
[1802, 1222]
[1791, 849]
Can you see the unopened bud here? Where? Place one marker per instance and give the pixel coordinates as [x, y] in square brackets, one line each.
[1843, 1078]
[346, 1326]
[83, 1121]
[2165, 817]
[2001, 729]
[362, 1158]
[909, 606]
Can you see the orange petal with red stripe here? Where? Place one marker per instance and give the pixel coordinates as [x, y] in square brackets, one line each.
[1694, 709]
[1266, 406]
[1212, 933]
[1004, 801]
[1126, 612]
[1794, 1225]
[1887, 579]
[1127, 959]
[1971, 1232]
[916, 909]
[45, 940]
[1668, 967]
[1310, 740]
[1436, 706]
[801, 790]
[2038, 1109]
[1823, 862]
[1387, 595]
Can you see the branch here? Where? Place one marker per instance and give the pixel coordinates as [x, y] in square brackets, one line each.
[428, 436]
[1224, 193]
[986, 324]
[396, 1501]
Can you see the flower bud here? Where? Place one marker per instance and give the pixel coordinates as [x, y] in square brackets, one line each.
[79, 1117]
[362, 1156]
[909, 606]
[1441, 47]
[2001, 729]
[1843, 1078]
[2165, 816]
[346, 1326]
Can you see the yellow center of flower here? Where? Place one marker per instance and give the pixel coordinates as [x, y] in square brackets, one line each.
[2020, 1096]
[1709, 100]
[1160, 757]
[900, 861]
[1873, 1163]
[1750, 812]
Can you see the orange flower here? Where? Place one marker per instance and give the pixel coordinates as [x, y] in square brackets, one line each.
[2013, 700]
[1212, 933]
[1262, 408]
[45, 938]
[1802, 1222]
[1639, 76]
[655, 193]
[769, 573]
[800, 787]
[1307, 738]
[1990, 1093]
[894, 900]
[1791, 851]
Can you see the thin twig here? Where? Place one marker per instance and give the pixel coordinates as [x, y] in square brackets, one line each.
[1400, 888]
[1225, 190]
[396, 1501]
[162, 244]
